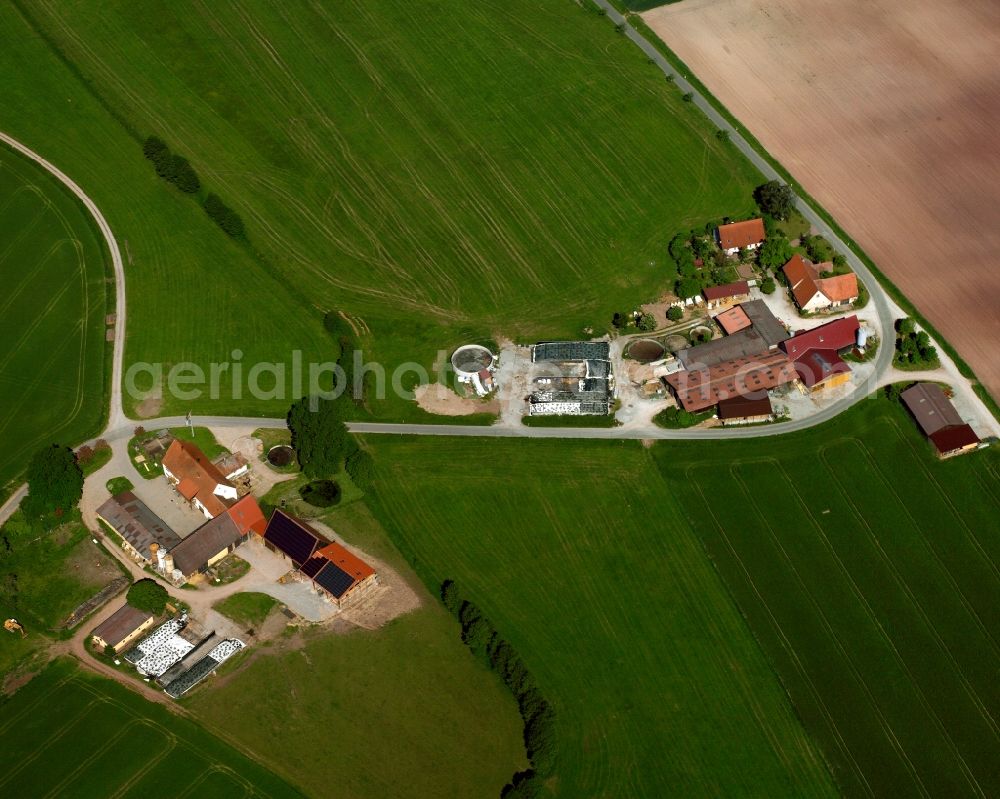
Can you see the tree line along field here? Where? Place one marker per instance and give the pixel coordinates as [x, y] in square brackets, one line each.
[516, 167]
[54, 270]
[69, 733]
[869, 585]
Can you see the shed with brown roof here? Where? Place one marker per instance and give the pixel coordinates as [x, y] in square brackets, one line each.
[745, 410]
[137, 525]
[727, 293]
[121, 628]
[931, 409]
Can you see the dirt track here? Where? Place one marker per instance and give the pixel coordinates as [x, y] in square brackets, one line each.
[887, 111]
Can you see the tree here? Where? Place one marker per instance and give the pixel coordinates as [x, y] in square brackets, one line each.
[775, 198]
[84, 455]
[182, 174]
[147, 595]
[620, 320]
[319, 437]
[675, 313]
[687, 98]
[774, 253]
[139, 431]
[224, 216]
[450, 597]
[722, 135]
[767, 286]
[55, 482]
[647, 323]
[745, 255]
[153, 148]
[839, 261]
[688, 287]
[360, 466]
[905, 326]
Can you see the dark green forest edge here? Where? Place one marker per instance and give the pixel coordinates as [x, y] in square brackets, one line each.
[628, 9]
[483, 640]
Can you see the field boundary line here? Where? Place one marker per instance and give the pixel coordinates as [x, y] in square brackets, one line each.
[150, 765]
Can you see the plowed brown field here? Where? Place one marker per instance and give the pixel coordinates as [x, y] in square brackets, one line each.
[888, 113]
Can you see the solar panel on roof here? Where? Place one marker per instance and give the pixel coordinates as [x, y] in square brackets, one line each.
[291, 538]
[334, 579]
[312, 566]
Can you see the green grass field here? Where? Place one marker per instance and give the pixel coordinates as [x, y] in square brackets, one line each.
[408, 712]
[868, 571]
[434, 169]
[68, 733]
[52, 353]
[868, 583]
[249, 608]
[581, 555]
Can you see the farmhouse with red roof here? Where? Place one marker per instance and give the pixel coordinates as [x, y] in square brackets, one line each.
[741, 235]
[197, 479]
[814, 293]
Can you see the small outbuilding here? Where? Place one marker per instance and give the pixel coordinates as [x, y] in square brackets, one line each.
[939, 420]
[745, 410]
[121, 628]
[726, 294]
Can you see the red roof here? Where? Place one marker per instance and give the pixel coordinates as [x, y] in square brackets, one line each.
[247, 515]
[954, 438]
[197, 476]
[741, 234]
[697, 389]
[817, 366]
[804, 280]
[836, 335]
[733, 320]
[339, 556]
[738, 289]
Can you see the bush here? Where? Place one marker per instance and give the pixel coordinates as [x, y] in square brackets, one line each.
[148, 595]
[224, 216]
[675, 313]
[183, 175]
[153, 148]
[768, 286]
[321, 493]
[722, 135]
[647, 323]
[360, 466]
[84, 455]
[687, 98]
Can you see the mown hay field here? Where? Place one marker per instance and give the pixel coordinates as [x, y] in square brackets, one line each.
[745, 618]
[56, 292]
[514, 167]
[68, 733]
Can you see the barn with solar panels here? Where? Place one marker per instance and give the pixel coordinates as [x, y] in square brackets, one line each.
[340, 575]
